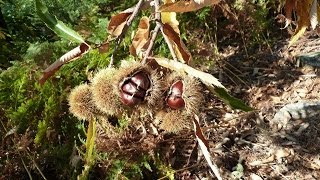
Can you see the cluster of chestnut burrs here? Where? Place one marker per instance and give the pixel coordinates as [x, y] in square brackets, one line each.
[136, 90]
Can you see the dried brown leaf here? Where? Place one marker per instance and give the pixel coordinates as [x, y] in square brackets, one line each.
[289, 7]
[117, 22]
[180, 48]
[141, 37]
[187, 6]
[104, 48]
[67, 57]
[204, 146]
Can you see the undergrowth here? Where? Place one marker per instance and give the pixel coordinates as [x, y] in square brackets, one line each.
[36, 125]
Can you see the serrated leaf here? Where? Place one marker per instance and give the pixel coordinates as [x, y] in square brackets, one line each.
[230, 100]
[187, 5]
[55, 25]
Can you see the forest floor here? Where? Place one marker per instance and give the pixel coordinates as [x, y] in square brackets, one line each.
[247, 145]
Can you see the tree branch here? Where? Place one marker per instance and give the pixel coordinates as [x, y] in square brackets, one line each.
[125, 29]
[155, 31]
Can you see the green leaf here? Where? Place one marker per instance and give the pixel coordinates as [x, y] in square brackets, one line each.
[230, 100]
[55, 25]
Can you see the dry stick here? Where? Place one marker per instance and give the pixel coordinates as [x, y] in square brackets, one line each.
[153, 38]
[125, 29]
[155, 31]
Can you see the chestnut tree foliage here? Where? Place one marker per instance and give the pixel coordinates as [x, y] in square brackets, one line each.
[52, 48]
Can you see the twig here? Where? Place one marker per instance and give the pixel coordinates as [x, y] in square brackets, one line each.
[153, 38]
[125, 29]
[155, 31]
[35, 164]
[25, 167]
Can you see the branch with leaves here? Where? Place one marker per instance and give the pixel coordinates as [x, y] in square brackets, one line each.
[164, 18]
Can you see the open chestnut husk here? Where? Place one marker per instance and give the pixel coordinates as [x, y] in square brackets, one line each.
[134, 88]
[138, 84]
[183, 99]
[184, 93]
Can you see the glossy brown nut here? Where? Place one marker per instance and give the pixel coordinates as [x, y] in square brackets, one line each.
[131, 89]
[177, 88]
[142, 80]
[175, 102]
[174, 99]
[128, 99]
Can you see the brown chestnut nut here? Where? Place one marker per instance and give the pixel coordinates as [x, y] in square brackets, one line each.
[174, 99]
[133, 89]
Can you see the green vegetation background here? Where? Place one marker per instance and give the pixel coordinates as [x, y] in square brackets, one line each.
[39, 136]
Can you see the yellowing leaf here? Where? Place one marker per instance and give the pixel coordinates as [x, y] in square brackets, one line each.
[206, 78]
[297, 35]
[141, 37]
[303, 9]
[170, 18]
[187, 5]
